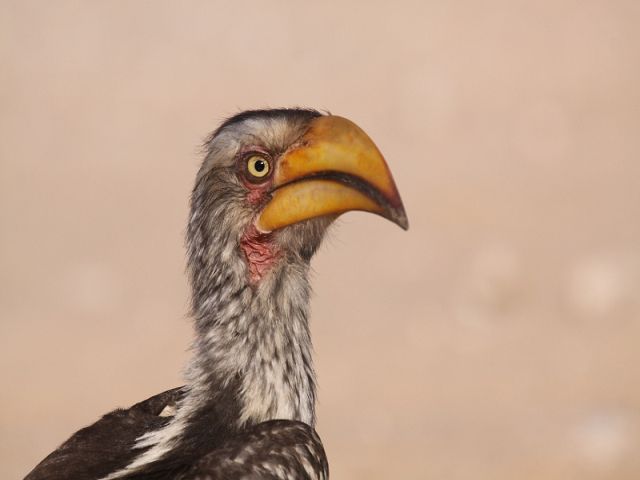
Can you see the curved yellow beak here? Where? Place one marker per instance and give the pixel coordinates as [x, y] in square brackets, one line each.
[334, 168]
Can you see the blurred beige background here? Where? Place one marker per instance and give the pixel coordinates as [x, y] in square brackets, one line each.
[497, 339]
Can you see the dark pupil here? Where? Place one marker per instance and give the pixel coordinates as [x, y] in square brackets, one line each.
[259, 165]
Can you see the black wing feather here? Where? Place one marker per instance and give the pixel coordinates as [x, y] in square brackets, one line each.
[273, 450]
[105, 446]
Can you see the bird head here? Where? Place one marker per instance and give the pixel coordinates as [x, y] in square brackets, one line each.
[272, 182]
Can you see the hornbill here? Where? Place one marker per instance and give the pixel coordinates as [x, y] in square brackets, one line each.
[271, 183]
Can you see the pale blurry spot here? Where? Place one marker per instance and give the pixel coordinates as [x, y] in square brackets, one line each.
[91, 288]
[541, 133]
[494, 276]
[378, 425]
[435, 91]
[598, 286]
[603, 439]
[420, 329]
[491, 287]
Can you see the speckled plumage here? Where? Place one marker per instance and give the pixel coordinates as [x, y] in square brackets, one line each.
[248, 408]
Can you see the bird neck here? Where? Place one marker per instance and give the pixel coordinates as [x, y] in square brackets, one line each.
[252, 354]
[253, 349]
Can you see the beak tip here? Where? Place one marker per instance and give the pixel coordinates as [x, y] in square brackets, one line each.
[399, 217]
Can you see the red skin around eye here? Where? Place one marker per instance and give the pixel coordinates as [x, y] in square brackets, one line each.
[255, 190]
[255, 195]
[259, 249]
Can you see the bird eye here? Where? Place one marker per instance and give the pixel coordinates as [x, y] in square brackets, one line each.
[258, 166]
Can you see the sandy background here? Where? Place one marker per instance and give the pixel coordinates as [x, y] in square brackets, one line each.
[497, 339]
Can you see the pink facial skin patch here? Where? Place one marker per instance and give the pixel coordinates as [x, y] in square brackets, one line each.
[260, 251]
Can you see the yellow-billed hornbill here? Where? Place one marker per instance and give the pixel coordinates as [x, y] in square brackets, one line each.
[271, 183]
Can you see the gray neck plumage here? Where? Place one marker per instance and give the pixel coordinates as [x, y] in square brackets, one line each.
[254, 341]
[253, 346]
[252, 354]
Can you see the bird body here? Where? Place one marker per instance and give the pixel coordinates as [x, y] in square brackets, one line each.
[269, 187]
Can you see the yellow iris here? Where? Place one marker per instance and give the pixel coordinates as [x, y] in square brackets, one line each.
[258, 166]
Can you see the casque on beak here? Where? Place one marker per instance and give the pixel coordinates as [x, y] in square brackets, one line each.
[334, 168]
